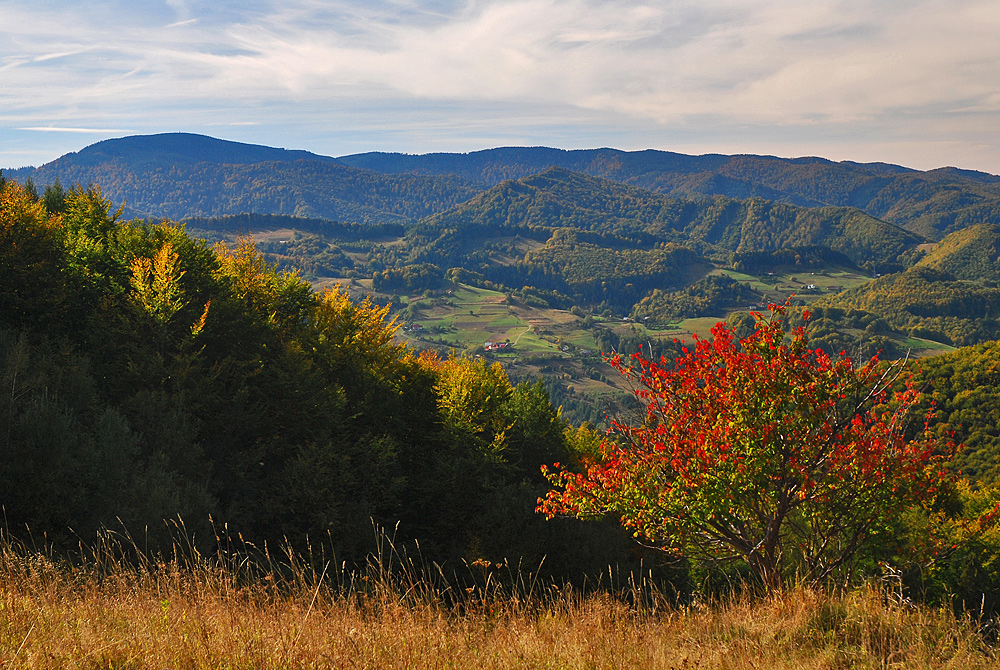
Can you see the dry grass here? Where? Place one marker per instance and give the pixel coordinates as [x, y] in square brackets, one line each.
[217, 613]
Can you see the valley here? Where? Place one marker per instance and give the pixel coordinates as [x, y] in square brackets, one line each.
[543, 259]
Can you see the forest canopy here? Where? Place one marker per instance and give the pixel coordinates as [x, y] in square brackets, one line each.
[151, 375]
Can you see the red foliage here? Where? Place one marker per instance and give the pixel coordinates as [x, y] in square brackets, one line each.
[760, 450]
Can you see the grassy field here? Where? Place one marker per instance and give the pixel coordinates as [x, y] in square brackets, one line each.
[208, 613]
[558, 344]
[807, 286]
[468, 317]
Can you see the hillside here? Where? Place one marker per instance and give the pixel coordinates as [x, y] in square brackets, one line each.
[965, 386]
[148, 375]
[928, 303]
[559, 198]
[178, 176]
[929, 203]
[972, 253]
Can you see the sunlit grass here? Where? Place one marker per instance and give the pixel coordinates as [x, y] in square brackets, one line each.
[230, 611]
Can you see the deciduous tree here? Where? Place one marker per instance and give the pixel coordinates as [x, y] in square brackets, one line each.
[760, 450]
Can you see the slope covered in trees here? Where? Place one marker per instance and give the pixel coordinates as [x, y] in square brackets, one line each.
[929, 303]
[715, 295]
[147, 375]
[929, 203]
[205, 182]
[560, 198]
[178, 176]
[972, 253]
[965, 387]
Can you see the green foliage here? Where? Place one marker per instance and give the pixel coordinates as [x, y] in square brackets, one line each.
[311, 255]
[149, 375]
[789, 258]
[715, 295]
[593, 274]
[54, 198]
[70, 459]
[972, 253]
[414, 278]
[928, 303]
[964, 385]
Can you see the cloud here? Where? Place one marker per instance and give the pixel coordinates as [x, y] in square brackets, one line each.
[178, 24]
[54, 129]
[897, 73]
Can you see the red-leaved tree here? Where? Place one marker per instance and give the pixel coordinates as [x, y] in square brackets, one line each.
[760, 450]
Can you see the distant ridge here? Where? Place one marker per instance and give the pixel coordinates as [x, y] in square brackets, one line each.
[184, 147]
[930, 204]
[182, 175]
[559, 198]
[179, 175]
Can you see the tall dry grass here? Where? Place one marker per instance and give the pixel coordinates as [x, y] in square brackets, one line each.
[109, 609]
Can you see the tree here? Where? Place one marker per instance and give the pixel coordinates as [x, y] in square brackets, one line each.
[762, 451]
[54, 198]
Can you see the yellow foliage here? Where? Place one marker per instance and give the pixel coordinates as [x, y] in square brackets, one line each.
[156, 283]
[362, 331]
[472, 395]
[245, 267]
[583, 441]
[280, 297]
[16, 204]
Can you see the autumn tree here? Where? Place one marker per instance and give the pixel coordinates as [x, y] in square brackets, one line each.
[759, 450]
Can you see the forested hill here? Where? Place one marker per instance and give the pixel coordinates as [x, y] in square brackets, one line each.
[929, 203]
[972, 253]
[181, 148]
[180, 175]
[147, 375]
[559, 198]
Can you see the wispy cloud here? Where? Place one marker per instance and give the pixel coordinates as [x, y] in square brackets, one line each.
[178, 24]
[54, 129]
[914, 79]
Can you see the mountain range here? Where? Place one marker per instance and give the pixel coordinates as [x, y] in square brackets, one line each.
[634, 246]
[600, 228]
[179, 175]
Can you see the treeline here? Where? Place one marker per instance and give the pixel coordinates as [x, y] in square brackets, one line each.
[311, 255]
[302, 188]
[592, 274]
[715, 295]
[788, 258]
[148, 375]
[249, 223]
[928, 303]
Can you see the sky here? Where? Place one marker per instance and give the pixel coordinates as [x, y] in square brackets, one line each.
[912, 82]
